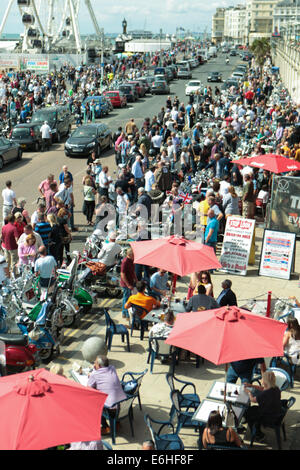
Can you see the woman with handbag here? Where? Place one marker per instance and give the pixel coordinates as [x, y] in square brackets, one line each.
[89, 194]
[56, 246]
[62, 218]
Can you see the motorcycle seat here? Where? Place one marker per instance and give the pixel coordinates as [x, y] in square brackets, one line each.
[14, 339]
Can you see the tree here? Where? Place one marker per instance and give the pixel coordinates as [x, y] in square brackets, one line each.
[261, 49]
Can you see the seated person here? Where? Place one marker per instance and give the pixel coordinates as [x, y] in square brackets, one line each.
[159, 283]
[201, 301]
[163, 329]
[269, 404]
[244, 369]
[145, 301]
[291, 341]
[105, 379]
[215, 433]
[109, 252]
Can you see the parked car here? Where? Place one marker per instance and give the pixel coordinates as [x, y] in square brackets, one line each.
[160, 87]
[193, 86]
[214, 77]
[116, 97]
[9, 151]
[88, 138]
[139, 87]
[184, 72]
[174, 70]
[146, 84]
[229, 83]
[28, 136]
[169, 73]
[129, 91]
[102, 107]
[59, 119]
[239, 74]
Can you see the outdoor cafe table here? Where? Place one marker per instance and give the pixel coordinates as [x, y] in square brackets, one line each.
[206, 407]
[176, 307]
[240, 398]
[81, 378]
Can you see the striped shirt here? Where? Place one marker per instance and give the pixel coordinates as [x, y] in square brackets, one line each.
[43, 229]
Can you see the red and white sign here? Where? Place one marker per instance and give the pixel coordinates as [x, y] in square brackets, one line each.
[237, 245]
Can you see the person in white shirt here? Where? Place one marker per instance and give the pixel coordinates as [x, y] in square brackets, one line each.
[109, 252]
[263, 194]
[149, 179]
[46, 135]
[156, 141]
[9, 200]
[122, 204]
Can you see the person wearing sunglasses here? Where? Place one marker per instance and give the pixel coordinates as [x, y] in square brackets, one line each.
[205, 280]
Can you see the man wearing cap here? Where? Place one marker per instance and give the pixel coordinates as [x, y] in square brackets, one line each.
[46, 135]
[109, 252]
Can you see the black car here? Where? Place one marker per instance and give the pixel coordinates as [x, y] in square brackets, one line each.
[214, 77]
[233, 53]
[9, 151]
[59, 119]
[129, 92]
[28, 136]
[88, 138]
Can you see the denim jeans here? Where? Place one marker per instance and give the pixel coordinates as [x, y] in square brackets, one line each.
[126, 295]
[232, 376]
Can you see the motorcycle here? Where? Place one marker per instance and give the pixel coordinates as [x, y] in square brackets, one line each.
[71, 283]
[45, 332]
[21, 355]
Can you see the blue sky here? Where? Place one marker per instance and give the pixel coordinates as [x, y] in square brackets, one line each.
[152, 15]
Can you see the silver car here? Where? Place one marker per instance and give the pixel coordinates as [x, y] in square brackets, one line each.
[184, 72]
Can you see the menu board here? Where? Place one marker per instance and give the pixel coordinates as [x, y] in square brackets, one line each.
[277, 254]
[237, 245]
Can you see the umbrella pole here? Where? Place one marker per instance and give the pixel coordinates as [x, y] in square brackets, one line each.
[173, 288]
[225, 387]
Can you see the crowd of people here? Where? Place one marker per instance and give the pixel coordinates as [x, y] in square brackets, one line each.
[152, 162]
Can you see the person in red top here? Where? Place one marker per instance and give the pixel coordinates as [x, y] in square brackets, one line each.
[128, 279]
[9, 237]
[19, 223]
[249, 95]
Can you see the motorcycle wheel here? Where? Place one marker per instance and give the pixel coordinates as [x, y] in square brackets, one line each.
[46, 354]
[68, 320]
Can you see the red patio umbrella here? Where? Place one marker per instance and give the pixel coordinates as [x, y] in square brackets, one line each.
[40, 410]
[227, 334]
[271, 162]
[175, 254]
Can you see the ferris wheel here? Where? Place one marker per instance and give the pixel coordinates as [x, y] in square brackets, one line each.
[48, 21]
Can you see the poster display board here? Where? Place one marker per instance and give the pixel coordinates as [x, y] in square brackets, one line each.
[237, 245]
[285, 205]
[277, 254]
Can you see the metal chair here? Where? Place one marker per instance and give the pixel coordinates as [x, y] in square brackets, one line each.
[189, 400]
[113, 329]
[106, 445]
[170, 441]
[283, 381]
[184, 417]
[159, 349]
[136, 380]
[279, 424]
[285, 360]
[137, 313]
[124, 410]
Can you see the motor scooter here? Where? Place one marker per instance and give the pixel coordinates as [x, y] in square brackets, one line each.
[45, 332]
[20, 354]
